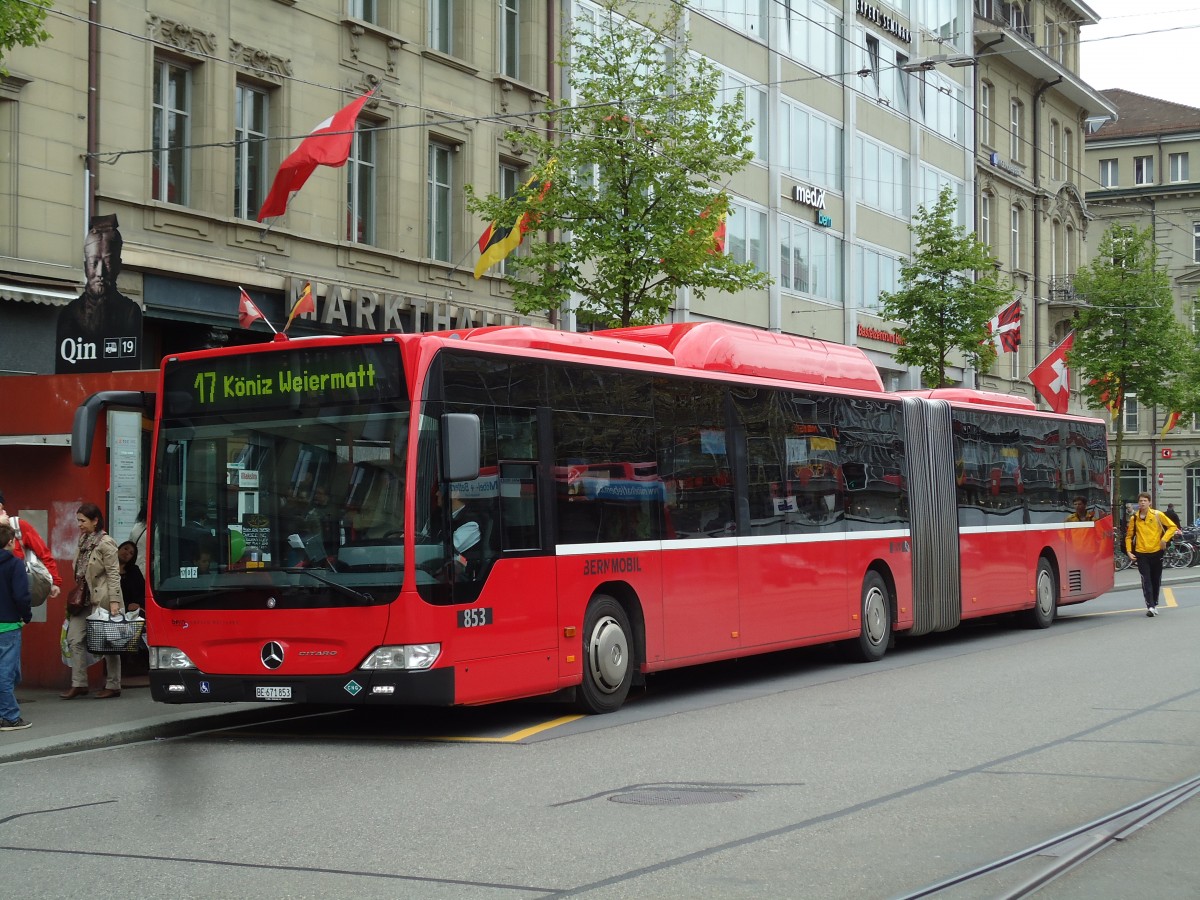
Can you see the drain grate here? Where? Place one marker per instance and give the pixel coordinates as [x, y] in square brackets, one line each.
[676, 797]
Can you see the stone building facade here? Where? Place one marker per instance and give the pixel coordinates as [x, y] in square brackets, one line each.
[1139, 173]
[861, 112]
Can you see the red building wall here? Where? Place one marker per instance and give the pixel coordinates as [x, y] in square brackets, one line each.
[40, 477]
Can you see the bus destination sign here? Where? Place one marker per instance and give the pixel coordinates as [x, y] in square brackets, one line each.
[286, 380]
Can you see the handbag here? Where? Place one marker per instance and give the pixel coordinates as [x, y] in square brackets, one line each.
[113, 634]
[79, 601]
[40, 581]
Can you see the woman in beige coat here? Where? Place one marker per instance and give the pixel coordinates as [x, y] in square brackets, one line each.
[96, 566]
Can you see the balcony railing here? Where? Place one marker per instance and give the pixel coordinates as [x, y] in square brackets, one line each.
[1010, 15]
[1062, 289]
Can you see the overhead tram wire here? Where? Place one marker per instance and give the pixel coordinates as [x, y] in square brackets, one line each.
[845, 77]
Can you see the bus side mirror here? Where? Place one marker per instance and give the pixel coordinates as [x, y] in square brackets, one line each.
[83, 429]
[461, 446]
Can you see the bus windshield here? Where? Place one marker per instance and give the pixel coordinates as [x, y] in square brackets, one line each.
[299, 506]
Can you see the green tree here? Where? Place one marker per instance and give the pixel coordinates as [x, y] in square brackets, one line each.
[1127, 338]
[21, 26]
[949, 291]
[634, 158]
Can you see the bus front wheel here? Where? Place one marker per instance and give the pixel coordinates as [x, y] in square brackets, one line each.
[876, 615]
[1045, 604]
[608, 658]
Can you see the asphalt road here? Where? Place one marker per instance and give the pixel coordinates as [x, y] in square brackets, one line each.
[794, 775]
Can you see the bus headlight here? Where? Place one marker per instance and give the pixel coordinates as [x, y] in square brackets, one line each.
[169, 658]
[403, 656]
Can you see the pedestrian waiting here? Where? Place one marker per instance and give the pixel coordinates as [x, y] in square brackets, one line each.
[15, 613]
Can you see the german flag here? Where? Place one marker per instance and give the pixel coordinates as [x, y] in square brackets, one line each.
[498, 241]
[1172, 420]
[1111, 394]
[304, 304]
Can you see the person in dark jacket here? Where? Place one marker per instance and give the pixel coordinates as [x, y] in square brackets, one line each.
[133, 582]
[15, 613]
[1171, 514]
[27, 536]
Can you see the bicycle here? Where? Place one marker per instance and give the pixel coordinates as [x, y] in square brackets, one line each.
[1178, 554]
[1121, 559]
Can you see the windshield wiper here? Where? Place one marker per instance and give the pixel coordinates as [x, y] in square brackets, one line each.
[341, 588]
[179, 602]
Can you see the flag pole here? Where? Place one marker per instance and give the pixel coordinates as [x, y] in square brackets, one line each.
[264, 318]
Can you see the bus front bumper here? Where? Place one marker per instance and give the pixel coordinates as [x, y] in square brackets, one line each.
[434, 687]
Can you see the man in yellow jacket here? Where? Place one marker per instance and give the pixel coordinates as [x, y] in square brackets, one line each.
[1146, 538]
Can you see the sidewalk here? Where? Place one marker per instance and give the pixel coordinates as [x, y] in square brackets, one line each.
[60, 726]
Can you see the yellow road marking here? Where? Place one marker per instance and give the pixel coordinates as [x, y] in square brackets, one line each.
[510, 738]
[1168, 598]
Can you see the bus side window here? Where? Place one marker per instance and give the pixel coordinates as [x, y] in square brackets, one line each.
[518, 506]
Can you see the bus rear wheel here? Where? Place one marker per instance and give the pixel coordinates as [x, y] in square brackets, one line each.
[608, 656]
[1045, 603]
[875, 613]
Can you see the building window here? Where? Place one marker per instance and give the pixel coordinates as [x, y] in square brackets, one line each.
[1179, 167]
[985, 113]
[1196, 242]
[1068, 154]
[250, 153]
[1068, 243]
[985, 220]
[746, 235]
[172, 124]
[877, 273]
[933, 181]
[1143, 170]
[811, 146]
[1055, 160]
[360, 185]
[746, 16]
[510, 184]
[811, 32]
[1134, 479]
[510, 38]
[1129, 409]
[1016, 120]
[1055, 228]
[810, 261]
[884, 177]
[873, 62]
[367, 10]
[1108, 173]
[441, 25]
[440, 178]
[755, 108]
[1016, 238]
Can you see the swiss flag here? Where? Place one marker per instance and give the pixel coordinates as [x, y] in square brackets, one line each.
[1052, 378]
[326, 145]
[247, 312]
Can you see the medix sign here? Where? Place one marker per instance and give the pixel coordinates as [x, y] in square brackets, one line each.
[363, 310]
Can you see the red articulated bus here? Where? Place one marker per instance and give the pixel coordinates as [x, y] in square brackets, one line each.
[480, 515]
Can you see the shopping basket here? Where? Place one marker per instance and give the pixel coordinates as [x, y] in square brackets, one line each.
[115, 635]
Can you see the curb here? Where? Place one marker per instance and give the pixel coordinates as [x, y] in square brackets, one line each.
[163, 726]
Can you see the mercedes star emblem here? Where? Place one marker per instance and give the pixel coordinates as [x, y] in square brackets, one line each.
[272, 655]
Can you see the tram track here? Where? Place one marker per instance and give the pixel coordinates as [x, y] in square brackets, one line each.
[1071, 848]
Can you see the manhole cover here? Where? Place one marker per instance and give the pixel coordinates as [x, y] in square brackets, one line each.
[675, 797]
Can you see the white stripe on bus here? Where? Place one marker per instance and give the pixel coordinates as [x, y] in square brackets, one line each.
[761, 540]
